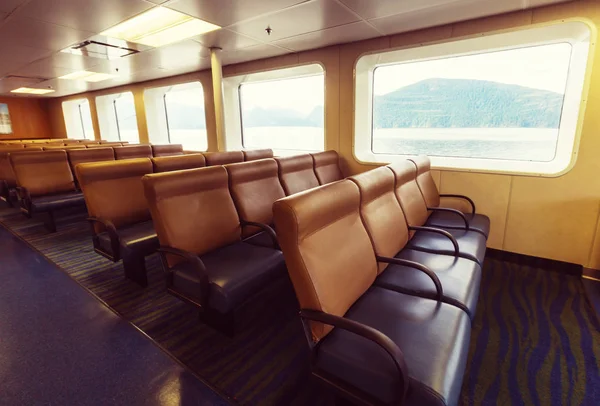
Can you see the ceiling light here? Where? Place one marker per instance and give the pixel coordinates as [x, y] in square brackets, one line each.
[88, 76]
[29, 90]
[160, 26]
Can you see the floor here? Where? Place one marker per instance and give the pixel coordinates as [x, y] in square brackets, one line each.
[59, 345]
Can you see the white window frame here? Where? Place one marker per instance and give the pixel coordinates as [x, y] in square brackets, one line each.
[106, 107]
[74, 118]
[233, 112]
[578, 34]
[157, 112]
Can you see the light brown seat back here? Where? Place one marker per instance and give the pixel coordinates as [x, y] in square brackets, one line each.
[425, 181]
[113, 190]
[133, 151]
[12, 146]
[327, 250]
[167, 150]
[43, 173]
[89, 142]
[81, 156]
[7, 173]
[63, 148]
[327, 167]
[297, 173]
[223, 158]
[256, 154]
[255, 187]
[408, 193]
[381, 212]
[35, 145]
[178, 162]
[192, 210]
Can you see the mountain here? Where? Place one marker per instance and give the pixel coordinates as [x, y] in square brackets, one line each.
[259, 117]
[461, 103]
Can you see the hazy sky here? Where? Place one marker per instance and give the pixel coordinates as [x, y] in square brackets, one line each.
[543, 67]
[301, 94]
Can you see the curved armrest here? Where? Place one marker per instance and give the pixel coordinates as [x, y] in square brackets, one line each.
[420, 267]
[438, 231]
[23, 193]
[457, 212]
[471, 202]
[195, 261]
[115, 241]
[267, 229]
[370, 334]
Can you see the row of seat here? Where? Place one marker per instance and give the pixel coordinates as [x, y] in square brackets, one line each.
[386, 303]
[68, 143]
[121, 224]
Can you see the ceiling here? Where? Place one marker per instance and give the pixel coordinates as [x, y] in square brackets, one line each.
[32, 32]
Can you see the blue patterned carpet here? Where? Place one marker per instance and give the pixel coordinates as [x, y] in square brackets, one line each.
[535, 340]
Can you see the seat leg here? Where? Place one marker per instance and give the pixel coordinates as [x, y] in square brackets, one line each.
[49, 222]
[135, 269]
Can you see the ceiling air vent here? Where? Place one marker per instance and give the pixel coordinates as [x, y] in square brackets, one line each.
[102, 50]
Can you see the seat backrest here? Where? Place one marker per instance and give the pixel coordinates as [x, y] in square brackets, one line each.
[81, 156]
[167, 150]
[43, 173]
[255, 154]
[255, 187]
[113, 190]
[408, 193]
[133, 151]
[35, 145]
[327, 250]
[381, 212]
[297, 173]
[63, 148]
[327, 167]
[7, 173]
[12, 146]
[223, 158]
[192, 210]
[425, 181]
[111, 145]
[89, 142]
[178, 162]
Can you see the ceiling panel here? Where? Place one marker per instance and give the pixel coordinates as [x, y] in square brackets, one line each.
[42, 69]
[227, 12]
[225, 39]
[7, 6]
[19, 56]
[313, 16]
[64, 87]
[39, 34]
[384, 8]
[255, 52]
[94, 15]
[12, 83]
[74, 62]
[336, 35]
[183, 53]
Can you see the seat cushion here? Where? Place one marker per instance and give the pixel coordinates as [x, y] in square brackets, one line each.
[235, 273]
[460, 278]
[433, 336]
[138, 239]
[444, 219]
[57, 201]
[471, 244]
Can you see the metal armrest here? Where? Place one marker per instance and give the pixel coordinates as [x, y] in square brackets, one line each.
[23, 193]
[267, 229]
[420, 267]
[192, 259]
[115, 241]
[438, 231]
[471, 202]
[370, 334]
[457, 212]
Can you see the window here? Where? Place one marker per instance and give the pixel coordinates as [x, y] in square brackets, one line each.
[175, 115]
[282, 110]
[491, 104]
[117, 118]
[78, 119]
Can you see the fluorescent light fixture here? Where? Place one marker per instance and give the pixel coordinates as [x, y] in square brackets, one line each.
[88, 76]
[159, 26]
[29, 90]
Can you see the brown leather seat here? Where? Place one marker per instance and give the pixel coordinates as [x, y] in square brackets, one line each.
[104, 145]
[11, 146]
[113, 142]
[255, 154]
[297, 173]
[8, 179]
[133, 151]
[63, 148]
[89, 142]
[178, 163]
[327, 167]
[223, 158]
[167, 150]
[85, 155]
[37, 145]
[441, 216]
[379, 345]
[255, 187]
[200, 234]
[45, 183]
[121, 224]
[461, 242]
[386, 224]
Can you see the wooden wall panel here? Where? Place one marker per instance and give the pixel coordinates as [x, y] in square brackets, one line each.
[29, 117]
